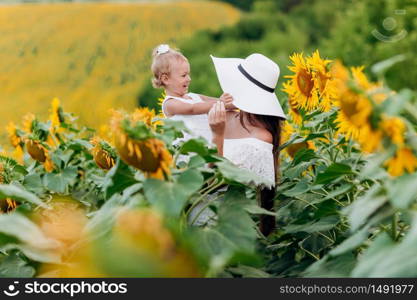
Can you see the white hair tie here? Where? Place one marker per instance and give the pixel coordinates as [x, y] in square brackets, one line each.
[164, 48]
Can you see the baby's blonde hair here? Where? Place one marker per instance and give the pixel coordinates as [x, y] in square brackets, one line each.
[162, 63]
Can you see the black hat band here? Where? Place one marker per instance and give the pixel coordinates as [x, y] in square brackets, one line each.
[260, 84]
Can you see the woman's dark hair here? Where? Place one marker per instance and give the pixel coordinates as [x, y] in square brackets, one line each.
[266, 196]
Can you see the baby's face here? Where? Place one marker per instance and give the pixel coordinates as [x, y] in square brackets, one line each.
[179, 79]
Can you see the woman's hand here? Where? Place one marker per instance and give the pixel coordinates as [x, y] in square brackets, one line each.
[227, 99]
[217, 122]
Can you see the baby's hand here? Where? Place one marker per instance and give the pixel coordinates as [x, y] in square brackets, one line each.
[227, 99]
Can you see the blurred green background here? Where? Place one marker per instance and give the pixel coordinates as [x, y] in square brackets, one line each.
[358, 32]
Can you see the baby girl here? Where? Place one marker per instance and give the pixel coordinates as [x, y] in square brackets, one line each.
[171, 71]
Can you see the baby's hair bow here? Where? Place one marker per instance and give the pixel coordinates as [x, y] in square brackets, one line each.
[164, 48]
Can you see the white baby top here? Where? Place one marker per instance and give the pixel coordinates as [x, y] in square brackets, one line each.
[252, 154]
[197, 124]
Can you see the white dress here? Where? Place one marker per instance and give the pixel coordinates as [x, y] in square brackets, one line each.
[251, 154]
[197, 124]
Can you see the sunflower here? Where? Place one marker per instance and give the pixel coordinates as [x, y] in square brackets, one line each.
[370, 139]
[56, 115]
[143, 230]
[138, 147]
[394, 128]
[294, 110]
[28, 122]
[2, 179]
[295, 147]
[291, 150]
[323, 80]
[15, 136]
[339, 73]
[360, 78]
[161, 100]
[39, 153]
[286, 132]
[403, 160]
[353, 115]
[138, 235]
[103, 154]
[301, 86]
[7, 205]
[146, 116]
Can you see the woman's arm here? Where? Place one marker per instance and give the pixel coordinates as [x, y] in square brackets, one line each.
[173, 107]
[217, 122]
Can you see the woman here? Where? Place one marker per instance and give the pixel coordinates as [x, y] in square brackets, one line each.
[250, 138]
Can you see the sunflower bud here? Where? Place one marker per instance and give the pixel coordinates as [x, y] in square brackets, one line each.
[7, 205]
[36, 150]
[143, 151]
[103, 158]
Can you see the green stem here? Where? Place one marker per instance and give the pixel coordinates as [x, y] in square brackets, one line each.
[203, 195]
[204, 207]
[394, 226]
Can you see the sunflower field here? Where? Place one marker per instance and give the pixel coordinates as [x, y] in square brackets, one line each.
[90, 55]
[125, 201]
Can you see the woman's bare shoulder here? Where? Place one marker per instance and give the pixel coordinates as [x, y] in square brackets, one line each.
[263, 134]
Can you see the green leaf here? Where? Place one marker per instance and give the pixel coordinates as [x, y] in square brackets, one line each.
[365, 206]
[340, 266]
[339, 191]
[235, 174]
[196, 161]
[257, 210]
[234, 232]
[118, 178]
[19, 194]
[60, 182]
[381, 67]
[34, 244]
[402, 191]
[13, 266]
[34, 253]
[170, 197]
[300, 188]
[378, 252]
[395, 104]
[351, 242]
[333, 172]
[295, 171]
[374, 163]
[323, 224]
[385, 258]
[248, 272]
[33, 183]
[304, 155]
[198, 146]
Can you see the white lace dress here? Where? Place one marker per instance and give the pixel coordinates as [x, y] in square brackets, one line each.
[197, 124]
[252, 154]
[247, 153]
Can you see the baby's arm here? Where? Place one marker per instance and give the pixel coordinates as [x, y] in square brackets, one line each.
[226, 98]
[209, 99]
[173, 107]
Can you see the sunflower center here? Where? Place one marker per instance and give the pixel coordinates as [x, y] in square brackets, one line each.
[349, 108]
[305, 82]
[322, 81]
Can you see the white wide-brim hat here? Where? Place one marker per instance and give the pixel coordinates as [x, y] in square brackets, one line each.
[251, 82]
